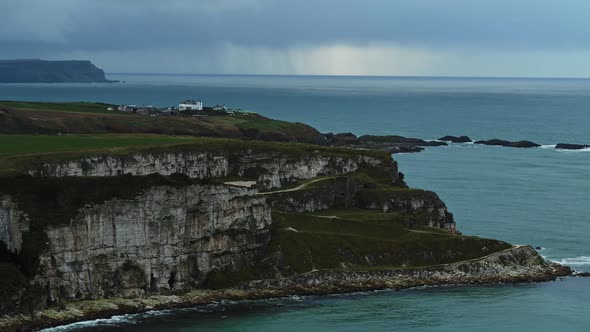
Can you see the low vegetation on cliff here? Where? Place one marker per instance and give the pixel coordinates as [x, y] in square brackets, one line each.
[356, 239]
[93, 118]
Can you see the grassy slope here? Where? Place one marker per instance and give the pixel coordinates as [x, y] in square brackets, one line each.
[367, 239]
[28, 144]
[93, 118]
[79, 107]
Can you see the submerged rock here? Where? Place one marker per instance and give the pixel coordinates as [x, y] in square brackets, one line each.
[456, 139]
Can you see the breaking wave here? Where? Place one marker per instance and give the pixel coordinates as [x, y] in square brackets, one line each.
[573, 151]
[575, 261]
[106, 322]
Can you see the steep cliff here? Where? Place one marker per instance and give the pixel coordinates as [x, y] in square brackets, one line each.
[270, 169]
[13, 223]
[164, 239]
[152, 221]
[134, 224]
[427, 207]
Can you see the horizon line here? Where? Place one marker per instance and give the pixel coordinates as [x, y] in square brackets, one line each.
[343, 76]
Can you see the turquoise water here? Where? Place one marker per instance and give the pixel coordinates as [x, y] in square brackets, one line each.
[524, 196]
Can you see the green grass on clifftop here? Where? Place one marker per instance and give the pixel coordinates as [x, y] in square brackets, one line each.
[76, 107]
[29, 144]
[367, 239]
[21, 152]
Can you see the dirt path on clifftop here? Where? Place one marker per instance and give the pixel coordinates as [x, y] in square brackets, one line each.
[299, 187]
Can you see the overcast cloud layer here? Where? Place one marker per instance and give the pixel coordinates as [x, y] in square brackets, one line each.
[549, 38]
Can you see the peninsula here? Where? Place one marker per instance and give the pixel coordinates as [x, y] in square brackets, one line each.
[45, 71]
[101, 214]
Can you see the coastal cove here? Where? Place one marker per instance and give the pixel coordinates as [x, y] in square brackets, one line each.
[484, 186]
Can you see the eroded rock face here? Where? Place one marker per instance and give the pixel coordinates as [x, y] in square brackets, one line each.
[13, 223]
[271, 170]
[423, 203]
[198, 165]
[166, 238]
[281, 171]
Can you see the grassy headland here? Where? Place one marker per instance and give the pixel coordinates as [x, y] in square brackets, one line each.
[94, 118]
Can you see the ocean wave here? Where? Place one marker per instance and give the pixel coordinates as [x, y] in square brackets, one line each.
[573, 151]
[113, 321]
[574, 261]
[548, 146]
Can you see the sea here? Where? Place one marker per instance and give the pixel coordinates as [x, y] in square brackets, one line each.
[538, 196]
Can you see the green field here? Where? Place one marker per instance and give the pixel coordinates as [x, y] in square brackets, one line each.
[79, 107]
[27, 144]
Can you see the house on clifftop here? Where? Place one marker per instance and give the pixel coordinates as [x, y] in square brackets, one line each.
[191, 105]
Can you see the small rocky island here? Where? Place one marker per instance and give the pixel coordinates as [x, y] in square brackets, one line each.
[45, 71]
[130, 222]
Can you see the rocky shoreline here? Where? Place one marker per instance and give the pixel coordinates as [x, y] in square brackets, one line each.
[400, 144]
[520, 264]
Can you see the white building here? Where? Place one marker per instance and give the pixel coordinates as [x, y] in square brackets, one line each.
[191, 105]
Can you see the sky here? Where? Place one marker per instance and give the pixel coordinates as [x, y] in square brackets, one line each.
[514, 38]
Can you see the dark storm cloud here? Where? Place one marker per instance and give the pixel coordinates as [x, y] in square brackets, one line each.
[114, 24]
[226, 35]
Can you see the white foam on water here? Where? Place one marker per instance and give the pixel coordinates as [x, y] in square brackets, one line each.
[113, 321]
[548, 146]
[573, 151]
[575, 261]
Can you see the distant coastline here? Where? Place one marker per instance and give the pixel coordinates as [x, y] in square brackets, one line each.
[350, 76]
[45, 71]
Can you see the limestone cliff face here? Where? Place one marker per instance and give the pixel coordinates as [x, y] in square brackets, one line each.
[343, 192]
[165, 239]
[308, 200]
[198, 165]
[13, 223]
[422, 203]
[277, 172]
[272, 170]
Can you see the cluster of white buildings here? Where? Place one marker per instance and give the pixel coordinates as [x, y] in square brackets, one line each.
[190, 105]
[187, 105]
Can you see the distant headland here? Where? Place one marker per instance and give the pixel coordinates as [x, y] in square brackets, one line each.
[45, 71]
